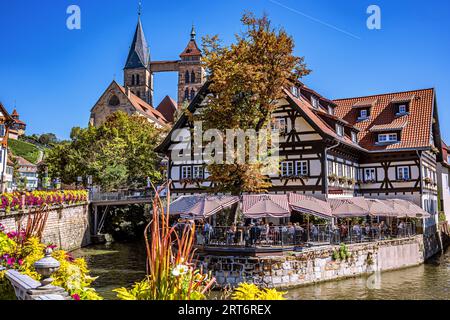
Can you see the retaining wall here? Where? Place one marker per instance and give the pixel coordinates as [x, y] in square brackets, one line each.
[296, 269]
[67, 227]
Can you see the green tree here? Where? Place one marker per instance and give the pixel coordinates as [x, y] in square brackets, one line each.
[247, 79]
[118, 154]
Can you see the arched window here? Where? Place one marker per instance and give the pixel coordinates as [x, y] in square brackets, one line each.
[133, 81]
[193, 77]
[186, 77]
[186, 94]
[138, 82]
[114, 101]
[138, 94]
[192, 94]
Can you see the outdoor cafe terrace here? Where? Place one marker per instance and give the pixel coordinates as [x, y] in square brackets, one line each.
[276, 223]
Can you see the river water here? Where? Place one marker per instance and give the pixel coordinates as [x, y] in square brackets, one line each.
[122, 264]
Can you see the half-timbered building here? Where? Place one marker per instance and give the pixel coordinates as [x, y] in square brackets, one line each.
[381, 146]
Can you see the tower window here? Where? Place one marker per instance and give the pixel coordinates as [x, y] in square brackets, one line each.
[138, 94]
[186, 94]
[193, 77]
[114, 101]
[186, 77]
[133, 80]
[192, 94]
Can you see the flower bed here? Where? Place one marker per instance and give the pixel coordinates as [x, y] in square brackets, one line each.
[19, 253]
[21, 201]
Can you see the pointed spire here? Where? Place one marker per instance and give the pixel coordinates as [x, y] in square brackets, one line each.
[140, 8]
[139, 55]
[193, 33]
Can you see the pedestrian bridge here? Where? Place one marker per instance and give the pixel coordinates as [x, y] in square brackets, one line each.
[121, 198]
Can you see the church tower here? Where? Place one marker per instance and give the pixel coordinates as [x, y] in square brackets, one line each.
[137, 74]
[191, 74]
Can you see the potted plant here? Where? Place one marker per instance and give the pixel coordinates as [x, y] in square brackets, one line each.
[351, 181]
[342, 180]
[427, 180]
[332, 177]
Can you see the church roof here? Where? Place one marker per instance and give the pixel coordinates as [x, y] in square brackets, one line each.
[192, 48]
[167, 108]
[139, 55]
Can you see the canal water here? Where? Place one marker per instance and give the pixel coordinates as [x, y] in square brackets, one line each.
[122, 264]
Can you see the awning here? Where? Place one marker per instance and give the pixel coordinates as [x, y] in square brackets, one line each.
[349, 208]
[265, 206]
[310, 205]
[200, 207]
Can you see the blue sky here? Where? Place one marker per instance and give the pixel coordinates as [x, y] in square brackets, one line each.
[55, 75]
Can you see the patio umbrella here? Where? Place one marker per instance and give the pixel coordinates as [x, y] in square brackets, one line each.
[265, 206]
[380, 208]
[412, 210]
[201, 207]
[310, 205]
[349, 208]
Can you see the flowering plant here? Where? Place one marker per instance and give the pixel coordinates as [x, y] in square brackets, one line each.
[20, 201]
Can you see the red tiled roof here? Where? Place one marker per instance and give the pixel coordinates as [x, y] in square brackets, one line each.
[144, 107]
[312, 114]
[167, 107]
[365, 103]
[416, 124]
[191, 49]
[396, 125]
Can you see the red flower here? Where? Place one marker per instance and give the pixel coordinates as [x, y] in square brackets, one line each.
[76, 297]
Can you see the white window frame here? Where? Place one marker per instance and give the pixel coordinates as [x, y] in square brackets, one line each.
[186, 172]
[354, 137]
[363, 114]
[315, 102]
[331, 110]
[370, 174]
[280, 125]
[402, 106]
[387, 137]
[197, 172]
[287, 168]
[302, 168]
[339, 130]
[403, 173]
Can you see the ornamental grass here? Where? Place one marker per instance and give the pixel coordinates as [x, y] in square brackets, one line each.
[171, 271]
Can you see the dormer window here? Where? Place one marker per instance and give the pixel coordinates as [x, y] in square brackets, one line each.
[339, 130]
[315, 102]
[294, 91]
[387, 137]
[402, 109]
[363, 114]
[331, 110]
[354, 137]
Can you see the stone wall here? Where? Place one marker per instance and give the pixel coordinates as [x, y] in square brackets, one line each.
[300, 268]
[67, 227]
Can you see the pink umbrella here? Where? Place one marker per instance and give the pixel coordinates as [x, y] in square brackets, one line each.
[380, 208]
[349, 208]
[265, 206]
[200, 207]
[310, 205]
[410, 210]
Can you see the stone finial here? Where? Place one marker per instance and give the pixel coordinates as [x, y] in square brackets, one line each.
[46, 267]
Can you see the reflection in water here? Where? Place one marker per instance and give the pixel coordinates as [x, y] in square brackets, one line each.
[120, 265]
[116, 265]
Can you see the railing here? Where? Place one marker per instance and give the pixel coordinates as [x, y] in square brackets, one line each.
[120, 196]
[288, 236]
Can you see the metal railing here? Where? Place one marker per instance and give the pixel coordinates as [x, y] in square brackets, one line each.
[288, 236]
[120, 196]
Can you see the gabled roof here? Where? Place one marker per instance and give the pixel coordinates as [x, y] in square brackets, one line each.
[24, 162]
[416, 125]
[139, 55]
[167, 108]
[143, 107]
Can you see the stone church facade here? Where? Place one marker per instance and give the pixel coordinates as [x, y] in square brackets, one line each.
[136, 96]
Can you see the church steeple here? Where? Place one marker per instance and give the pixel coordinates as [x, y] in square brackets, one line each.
[139, 55]
[137, 74]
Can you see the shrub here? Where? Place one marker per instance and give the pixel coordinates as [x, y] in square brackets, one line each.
[246, 291]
